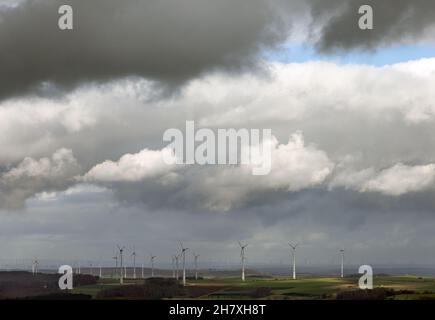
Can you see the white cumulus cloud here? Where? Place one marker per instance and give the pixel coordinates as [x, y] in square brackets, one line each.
[401, 179]
[130, 167]
[393, 181]
[33, 176]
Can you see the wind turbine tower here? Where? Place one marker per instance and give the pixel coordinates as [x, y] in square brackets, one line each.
[78, 267]
[342, 262]
[294, 258]
[35, 265]
[243, 258]
[177, 264]
[121, 250]
[116, 264]
[196, 256]
[152, 265]
[134, 263]
[173, 267]
[183, 255]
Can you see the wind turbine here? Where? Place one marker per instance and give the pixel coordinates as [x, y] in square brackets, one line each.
[196, 256]
[152, 265]
[183, 255]
[134, 263]
[121, 250]
[294, 258]
[342, 262]
[242, 256]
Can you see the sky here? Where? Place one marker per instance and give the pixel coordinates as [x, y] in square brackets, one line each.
[352, 113]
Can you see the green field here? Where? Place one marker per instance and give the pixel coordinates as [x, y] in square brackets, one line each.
[306, 287]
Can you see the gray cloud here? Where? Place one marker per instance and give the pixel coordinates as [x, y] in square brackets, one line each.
[395, 21]
[374, 229]
[169, 41]
[174, 41]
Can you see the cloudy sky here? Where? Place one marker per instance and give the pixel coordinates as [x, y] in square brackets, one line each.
[352, 112]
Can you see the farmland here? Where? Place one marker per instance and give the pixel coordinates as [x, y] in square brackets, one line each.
[281, 288]
[24, 285]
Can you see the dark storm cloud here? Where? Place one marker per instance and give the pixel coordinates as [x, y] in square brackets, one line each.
[339, 206]
[322, 221]
[395, 21]
[174, 41]
[164, 40]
